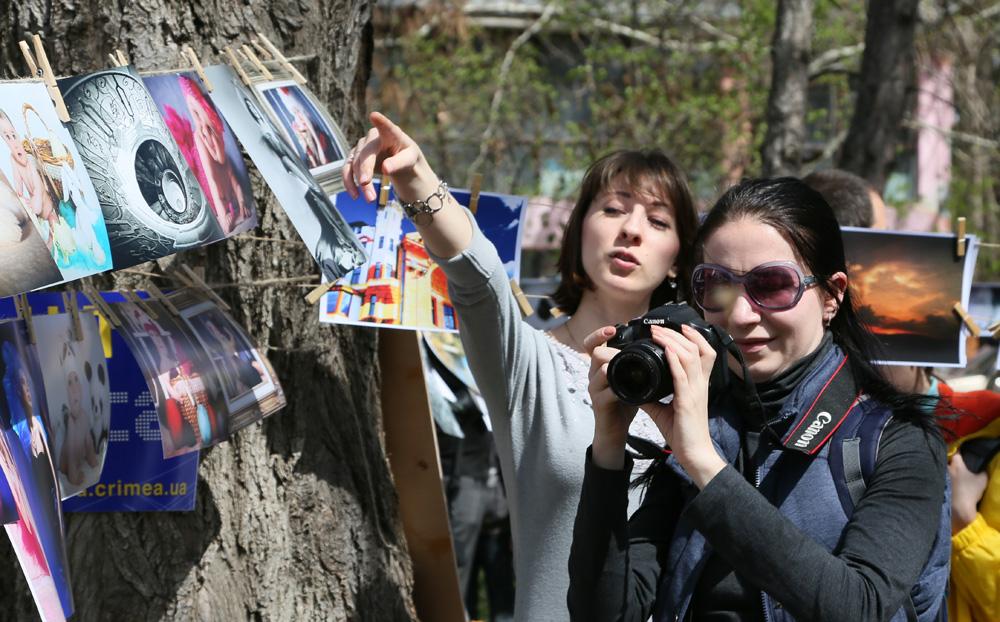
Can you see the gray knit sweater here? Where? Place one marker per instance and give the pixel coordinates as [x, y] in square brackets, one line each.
[536, 394]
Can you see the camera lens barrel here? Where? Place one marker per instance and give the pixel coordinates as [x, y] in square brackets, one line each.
[640, 374]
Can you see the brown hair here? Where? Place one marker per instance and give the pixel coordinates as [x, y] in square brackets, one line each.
[648, 168]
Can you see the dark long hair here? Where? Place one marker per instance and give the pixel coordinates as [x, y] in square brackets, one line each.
[806, 220]
[636, 169]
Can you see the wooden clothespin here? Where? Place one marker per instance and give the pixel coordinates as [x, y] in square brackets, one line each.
[40, 67]
[196, 63]
[29, 58]
[522, 300]
[162, 298]
[966, 319]
[994, 329]
[237, 66]
[101, 305]
[960, 239]
[255, 61]
[261, 50]
[200, 284]
[474, 189]
[383, 191]
[73, 309]
[555, 311]
[134, 298]
[122, 59]
[314, 295]
[114, 60]
[278, 56]
[24, 312]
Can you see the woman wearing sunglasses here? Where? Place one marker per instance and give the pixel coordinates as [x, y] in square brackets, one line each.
[633, 225]
[746, 517]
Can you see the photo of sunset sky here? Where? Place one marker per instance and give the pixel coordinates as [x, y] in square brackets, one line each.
[906, 285]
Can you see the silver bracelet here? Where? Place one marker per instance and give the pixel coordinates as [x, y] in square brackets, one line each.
[421, 212]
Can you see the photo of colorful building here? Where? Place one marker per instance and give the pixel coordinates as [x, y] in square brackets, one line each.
[399, 285]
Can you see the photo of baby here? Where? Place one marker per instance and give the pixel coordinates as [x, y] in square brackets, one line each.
[42, 167]
[26, 459]
[79, 398]
[209, 147]
[189, 400]
[316, 138]
[251, 389]
[27, 262]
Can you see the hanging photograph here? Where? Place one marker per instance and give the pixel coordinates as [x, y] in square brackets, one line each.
[78, 393]
[135, 476]
[907, 285]
[27, 260]
[324, 231]
[305, 124]
[26, 461]
[187, 394]
[208, 146]
[47, 194]
[400, 286]
[251, 389]
[152, 201]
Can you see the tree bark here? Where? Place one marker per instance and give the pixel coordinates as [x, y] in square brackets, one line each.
[296, 518]
[885, 92]
[791, 50]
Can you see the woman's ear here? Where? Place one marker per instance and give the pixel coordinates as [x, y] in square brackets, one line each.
[831, 303]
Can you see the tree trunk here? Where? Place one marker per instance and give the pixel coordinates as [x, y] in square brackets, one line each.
[791, 49]
[296, 518]
[885, 92]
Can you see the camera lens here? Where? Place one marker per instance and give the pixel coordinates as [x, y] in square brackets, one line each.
[639, 374]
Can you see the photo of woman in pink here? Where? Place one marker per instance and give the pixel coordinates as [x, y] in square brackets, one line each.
[209, 148]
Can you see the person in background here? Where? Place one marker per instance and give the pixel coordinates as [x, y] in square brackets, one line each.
[974, 594]
[856, 203]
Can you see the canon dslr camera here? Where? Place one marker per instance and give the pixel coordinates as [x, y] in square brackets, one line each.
[640, 373]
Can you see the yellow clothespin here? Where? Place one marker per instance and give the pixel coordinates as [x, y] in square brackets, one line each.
[314, 295]
[24, 312]
[966, 319]
[196, 63]
[474, 189]
[250, 56]
[383, 192]
[29, 59]
[261, 50]
[39, 65]
[555, 311]
[522, 300]
[73, 309]
[101, 305]
[237, 67]
[994, 329]
[162, 298]
[200, 284]
[134, 298]
[289, 67]
[960, 240]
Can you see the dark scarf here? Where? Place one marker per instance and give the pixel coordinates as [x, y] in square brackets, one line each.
[774, 392]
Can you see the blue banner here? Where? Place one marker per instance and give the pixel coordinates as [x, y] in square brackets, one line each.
[136, 477]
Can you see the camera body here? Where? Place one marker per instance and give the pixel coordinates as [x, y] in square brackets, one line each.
[639, 373]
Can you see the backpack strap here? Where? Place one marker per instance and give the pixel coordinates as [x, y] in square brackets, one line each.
[854, 451]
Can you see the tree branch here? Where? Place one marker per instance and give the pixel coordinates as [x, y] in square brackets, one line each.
[508, 60]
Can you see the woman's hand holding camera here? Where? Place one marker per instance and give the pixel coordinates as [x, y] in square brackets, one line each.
[612, 418]
[684, 422]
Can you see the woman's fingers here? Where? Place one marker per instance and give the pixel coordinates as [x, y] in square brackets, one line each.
[598, 337]
[366, 156]
[705, 350]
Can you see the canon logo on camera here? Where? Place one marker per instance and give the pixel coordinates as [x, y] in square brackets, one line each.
[647, 320]
[821, 420]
